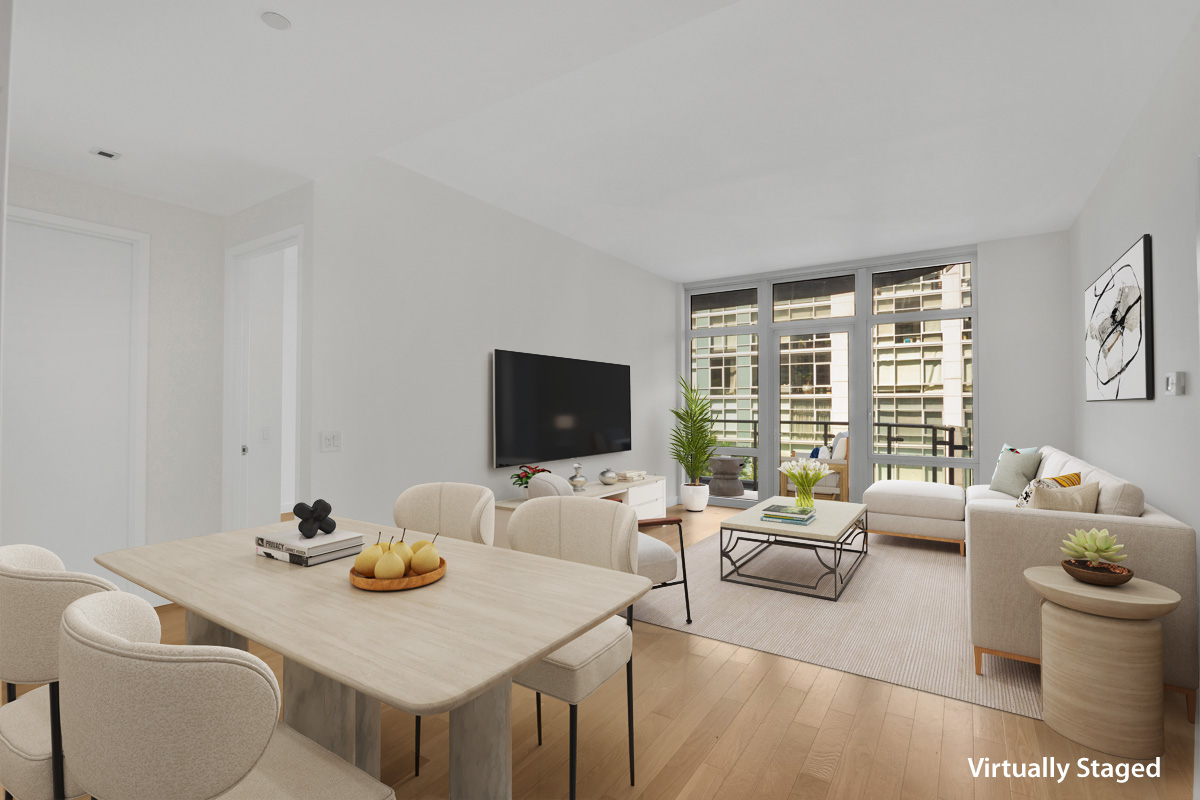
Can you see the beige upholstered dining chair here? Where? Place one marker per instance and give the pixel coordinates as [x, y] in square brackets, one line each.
[35, 589]
[547, 484]
[656, 559]
[586, 531]
[143, 719]
[457, 510]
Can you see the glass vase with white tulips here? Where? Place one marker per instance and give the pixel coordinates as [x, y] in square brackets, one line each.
[804, 474]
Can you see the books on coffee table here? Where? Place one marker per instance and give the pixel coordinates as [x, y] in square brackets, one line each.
[789, 514]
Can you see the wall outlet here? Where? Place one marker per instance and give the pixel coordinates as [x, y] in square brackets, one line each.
[1173, 385]
[331, 441]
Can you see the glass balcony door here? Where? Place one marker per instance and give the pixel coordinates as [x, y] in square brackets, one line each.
[814, 391]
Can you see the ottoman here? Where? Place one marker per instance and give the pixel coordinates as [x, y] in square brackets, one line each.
[934, 511]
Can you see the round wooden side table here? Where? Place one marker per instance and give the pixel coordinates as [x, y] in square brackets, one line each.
[1102, 670]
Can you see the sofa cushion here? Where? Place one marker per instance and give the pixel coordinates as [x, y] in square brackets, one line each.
[916, 499]
[1079, 499]
[1050, 483]
[1014, 471]
[1117, 495]
[986, 493]
[926, 527]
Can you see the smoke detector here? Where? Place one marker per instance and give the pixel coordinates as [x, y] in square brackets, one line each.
[109, 154]
[277, 21]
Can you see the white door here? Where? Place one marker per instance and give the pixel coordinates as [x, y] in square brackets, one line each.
[72, 415]
[263, 356]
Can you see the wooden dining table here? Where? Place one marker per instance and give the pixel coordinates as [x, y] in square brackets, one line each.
[453, 645]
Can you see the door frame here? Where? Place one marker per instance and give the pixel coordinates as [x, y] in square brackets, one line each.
[138, 352]
[233, 466]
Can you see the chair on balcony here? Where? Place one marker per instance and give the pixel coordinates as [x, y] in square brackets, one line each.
[835, 485]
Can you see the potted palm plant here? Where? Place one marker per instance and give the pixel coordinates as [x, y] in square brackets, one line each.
[693, 443]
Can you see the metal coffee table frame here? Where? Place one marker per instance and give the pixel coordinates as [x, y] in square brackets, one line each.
[845, 545]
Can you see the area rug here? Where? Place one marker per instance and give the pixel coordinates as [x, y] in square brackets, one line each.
[902, 619]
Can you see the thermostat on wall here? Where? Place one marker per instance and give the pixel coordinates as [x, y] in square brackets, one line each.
[1174, 383]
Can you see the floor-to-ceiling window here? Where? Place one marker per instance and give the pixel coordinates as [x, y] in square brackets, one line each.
[882, 351]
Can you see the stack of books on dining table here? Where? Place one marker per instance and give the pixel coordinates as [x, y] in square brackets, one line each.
[792, 515]
[289, 545]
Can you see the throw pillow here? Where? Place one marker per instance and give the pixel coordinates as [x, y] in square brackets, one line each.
[839, 448]
[1079, 499]
[1049, 483]
[1010, 449]
[1014, 472]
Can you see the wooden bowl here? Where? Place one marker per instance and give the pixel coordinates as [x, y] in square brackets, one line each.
[1096, 577]
[410, 581]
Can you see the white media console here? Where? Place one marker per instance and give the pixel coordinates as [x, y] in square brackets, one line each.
[648, 497]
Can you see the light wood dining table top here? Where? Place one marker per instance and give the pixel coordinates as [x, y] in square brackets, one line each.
[424, 651]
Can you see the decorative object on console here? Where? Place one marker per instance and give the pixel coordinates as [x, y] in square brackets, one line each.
[693, 443]
[726, 476]
[1094, 558]
[578, 480]
[1059, 480]
[315, 517]
[631, 475]
[523, 475]
[608, 477]
[804, 474]
[1118, 341]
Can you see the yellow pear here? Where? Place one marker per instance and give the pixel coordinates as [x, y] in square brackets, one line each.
[364, 562]
[416, 548]
[390, 566]
[405, 552]
[426, 560]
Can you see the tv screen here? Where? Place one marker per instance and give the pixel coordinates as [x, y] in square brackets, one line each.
[549, 409]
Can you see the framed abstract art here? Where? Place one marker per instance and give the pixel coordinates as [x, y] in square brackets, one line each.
[1118, 335]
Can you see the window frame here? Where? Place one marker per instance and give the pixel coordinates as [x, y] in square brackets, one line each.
[860, 327]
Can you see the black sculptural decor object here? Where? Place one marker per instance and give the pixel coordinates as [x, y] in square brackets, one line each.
[314, 518]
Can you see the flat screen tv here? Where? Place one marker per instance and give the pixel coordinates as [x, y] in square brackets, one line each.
[550, 409]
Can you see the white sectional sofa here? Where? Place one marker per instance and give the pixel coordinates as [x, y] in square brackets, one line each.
[1003, 540]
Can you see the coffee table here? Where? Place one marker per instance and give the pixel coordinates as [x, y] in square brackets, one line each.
[838, 531]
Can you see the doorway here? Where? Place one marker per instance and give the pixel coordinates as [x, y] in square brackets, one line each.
[262, 380]
[73, 404]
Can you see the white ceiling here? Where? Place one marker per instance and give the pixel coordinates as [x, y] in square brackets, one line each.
[696, 138]
[213, 110]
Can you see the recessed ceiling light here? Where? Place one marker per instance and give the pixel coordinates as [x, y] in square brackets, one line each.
[277, 21]
[109, 154]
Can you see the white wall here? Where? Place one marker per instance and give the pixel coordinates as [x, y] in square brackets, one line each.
[414, 285]
[1151, 186]
[183, 492]
[1025, 374]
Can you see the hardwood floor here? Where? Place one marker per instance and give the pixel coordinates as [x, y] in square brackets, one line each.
[714, 720]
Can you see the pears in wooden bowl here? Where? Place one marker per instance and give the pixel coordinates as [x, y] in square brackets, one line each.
[394, 566]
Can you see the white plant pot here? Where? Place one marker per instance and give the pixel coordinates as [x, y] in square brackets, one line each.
[694, 498]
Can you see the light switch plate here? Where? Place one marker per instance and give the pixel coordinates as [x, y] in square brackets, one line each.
[1174, 383]
[331, 441]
